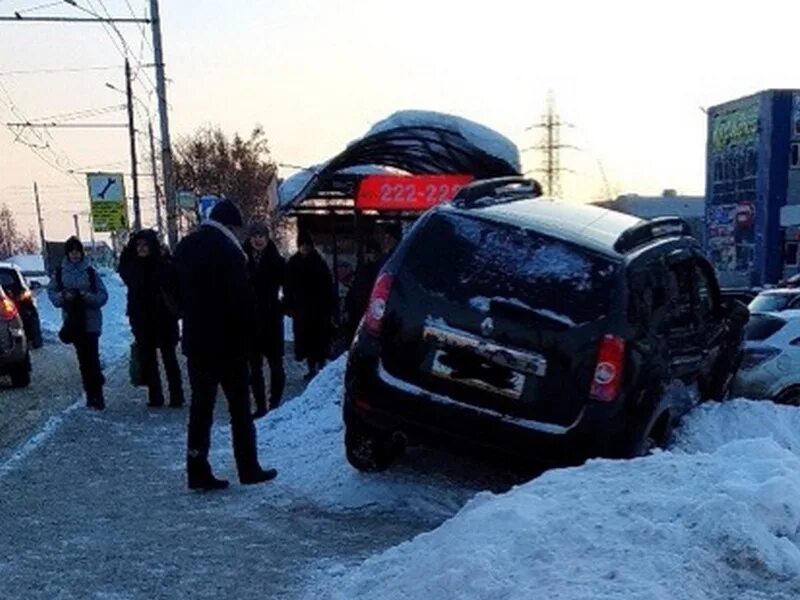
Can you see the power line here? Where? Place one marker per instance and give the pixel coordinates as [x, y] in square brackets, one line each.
[60, 70]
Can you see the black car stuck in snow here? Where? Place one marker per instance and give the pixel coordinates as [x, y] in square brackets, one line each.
[546, 331]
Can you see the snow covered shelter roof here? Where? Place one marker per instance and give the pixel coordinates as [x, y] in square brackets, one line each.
[411, 142]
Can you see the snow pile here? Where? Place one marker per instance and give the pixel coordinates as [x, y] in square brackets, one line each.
[116, 338]
[713, 425]
[717, 517]
[28, 263]
[304, 440]
[669, 526]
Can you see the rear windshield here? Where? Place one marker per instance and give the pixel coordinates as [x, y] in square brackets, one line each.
[466, 259]
[9, 280]
[771, 302]
[760, 327]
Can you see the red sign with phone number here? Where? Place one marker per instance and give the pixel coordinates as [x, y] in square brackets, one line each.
[408, 192]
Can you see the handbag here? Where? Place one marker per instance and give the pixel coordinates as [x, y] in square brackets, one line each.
[135, 367]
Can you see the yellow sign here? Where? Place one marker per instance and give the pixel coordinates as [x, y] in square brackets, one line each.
[107, 195]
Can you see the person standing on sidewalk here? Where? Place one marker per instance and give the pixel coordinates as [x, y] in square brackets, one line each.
[78, 290]
[267, 273]
[153, 315]
[309, 298]
[217, 303]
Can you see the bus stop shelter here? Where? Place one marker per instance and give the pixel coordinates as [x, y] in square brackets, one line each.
[401, 167]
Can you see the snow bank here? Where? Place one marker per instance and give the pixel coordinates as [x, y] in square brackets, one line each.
[713, 425]
[717, 516]
[28, 263]
[705, 526]
[116, 338]
[304, 437]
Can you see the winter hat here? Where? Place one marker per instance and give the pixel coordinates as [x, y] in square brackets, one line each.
[258, 228]
[74, 243]
[226, 213]
[304, 238]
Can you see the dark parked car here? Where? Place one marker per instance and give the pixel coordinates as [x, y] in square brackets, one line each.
[15, 359]
[19, 291]
[775, 300]
[549, 331]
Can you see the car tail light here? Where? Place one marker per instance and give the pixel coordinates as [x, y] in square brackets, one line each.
[609, 370]
[376, 309]
[8, 310]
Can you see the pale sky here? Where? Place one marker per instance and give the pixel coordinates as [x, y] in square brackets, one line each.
[631, 76]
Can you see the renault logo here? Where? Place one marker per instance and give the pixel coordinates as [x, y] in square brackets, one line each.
[487, 327]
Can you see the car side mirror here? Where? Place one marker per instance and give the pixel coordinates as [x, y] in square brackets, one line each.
[35, 285]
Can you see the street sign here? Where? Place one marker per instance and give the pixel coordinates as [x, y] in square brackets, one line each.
[187, 200]
[107, 197]
[206, 204]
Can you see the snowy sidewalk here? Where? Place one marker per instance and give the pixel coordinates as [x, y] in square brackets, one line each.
[100, 509]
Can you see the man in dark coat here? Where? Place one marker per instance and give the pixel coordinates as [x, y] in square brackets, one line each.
[152, 312]
[360, 290]
[267, 273]
[219, 315]
[309, 299]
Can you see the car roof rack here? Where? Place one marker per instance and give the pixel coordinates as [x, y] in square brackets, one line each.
[499, 190]
[650, 230]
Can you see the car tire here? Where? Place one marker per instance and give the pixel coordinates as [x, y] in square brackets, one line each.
[21, 374]
[719, 388]
[789, 397]
[368, 449]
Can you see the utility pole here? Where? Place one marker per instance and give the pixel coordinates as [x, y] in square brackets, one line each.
[77, 226]
[41, 224]
[137, 211]
[166, 150]
[551, 146]
[159, 220]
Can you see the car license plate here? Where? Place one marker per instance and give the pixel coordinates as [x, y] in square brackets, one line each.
[510, 387]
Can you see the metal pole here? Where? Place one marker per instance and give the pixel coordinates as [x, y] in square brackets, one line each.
[166, 151]
[41, 224]
[77, 226]
[137, 211]
[159, 220]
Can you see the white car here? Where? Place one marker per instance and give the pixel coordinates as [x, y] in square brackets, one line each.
[770, 366]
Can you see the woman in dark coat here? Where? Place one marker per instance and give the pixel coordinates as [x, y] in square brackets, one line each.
[146, 270]
[309, 299]
[267, 274]
[360, 290]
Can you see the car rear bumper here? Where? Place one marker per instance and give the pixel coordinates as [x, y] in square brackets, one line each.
[386, 402]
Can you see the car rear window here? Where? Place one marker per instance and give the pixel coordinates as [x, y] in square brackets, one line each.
[771, 302]
[464, 259]
[760, 327]
[10, 281]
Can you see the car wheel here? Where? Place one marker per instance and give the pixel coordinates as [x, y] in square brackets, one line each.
[21, 374]
[790, 397]
[650, 435]
[368, 449]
